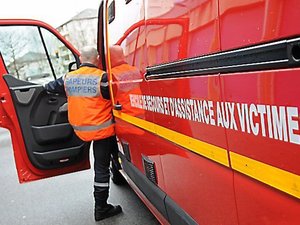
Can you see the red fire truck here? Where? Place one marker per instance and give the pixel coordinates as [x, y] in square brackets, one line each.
[208, 124]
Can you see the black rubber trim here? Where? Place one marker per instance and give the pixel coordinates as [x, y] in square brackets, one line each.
[100, 36]
[164, 204]
[154, 194]
[126, 150]
[177, 216]
[276, 55]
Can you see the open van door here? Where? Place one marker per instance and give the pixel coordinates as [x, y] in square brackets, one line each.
[32, 54]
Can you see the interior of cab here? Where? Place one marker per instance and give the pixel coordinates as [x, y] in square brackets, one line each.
[33, 56]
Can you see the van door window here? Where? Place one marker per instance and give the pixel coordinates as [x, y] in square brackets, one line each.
[33, 54]
[23, 53]
[61, 56]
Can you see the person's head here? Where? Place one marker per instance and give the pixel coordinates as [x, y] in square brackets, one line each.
[89, 54]
[116, 55]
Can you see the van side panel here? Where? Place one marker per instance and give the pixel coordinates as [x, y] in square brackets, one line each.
[202, 187]
[265, 145]
[250, 22]
[212, 124]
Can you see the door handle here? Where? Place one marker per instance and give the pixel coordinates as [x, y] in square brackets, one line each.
[52, 101]
[118, 106]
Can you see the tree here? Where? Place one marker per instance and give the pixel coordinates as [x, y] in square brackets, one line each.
[12, 43]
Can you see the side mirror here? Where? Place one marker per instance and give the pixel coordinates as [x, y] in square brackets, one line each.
[72, 66]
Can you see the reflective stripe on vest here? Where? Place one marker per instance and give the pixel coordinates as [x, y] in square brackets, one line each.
[94, 127]
[104, 84]
[83, 85]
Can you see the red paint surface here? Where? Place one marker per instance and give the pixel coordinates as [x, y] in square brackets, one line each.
[209, 192]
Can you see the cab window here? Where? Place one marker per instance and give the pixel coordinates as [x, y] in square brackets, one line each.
[34, 54]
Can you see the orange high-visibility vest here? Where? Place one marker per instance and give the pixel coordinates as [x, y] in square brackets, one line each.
[127, 78]
[88, 112]
[127, 81]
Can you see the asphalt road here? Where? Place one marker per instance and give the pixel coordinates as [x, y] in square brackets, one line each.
[62, 200]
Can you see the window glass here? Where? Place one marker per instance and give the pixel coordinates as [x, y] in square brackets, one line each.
[60, 55]
[24, 54]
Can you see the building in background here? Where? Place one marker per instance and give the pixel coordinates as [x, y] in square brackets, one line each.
[81, 30]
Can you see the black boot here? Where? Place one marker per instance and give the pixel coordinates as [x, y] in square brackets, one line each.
[107, 211]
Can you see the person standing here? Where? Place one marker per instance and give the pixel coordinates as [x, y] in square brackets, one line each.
[89, 113]
[127, 79]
